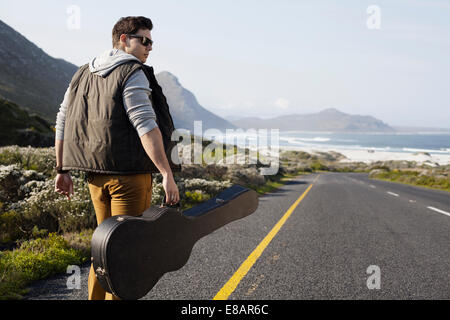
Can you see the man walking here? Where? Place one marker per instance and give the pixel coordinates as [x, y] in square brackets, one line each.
[107, 127]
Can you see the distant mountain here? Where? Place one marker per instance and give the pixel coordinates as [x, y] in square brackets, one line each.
[185, 108]
[329, 119]
[19, 127]
[30, 77]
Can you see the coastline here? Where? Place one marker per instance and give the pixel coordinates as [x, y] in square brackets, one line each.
[353, 148]
[366, 156]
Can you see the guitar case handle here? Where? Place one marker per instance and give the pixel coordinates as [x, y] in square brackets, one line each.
[176, 205]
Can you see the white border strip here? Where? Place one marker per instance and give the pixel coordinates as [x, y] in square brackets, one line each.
[394, 194]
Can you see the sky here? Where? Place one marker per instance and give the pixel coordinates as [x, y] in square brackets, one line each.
[388, 59]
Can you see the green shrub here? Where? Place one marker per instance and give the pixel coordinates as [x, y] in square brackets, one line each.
[382, 167]
[80, 241]
[317, 165]
[193, 198]
[43, 210]
[29, 158]
[39, 258]
[9, 227]
[33, 260]
[412, 177]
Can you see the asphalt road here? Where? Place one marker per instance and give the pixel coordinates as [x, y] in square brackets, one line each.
[344, 225]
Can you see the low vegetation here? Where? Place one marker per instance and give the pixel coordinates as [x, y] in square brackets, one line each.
[21, 127]
[437, 178]
[33, 260]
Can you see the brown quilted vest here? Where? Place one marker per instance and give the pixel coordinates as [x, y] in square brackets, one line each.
[98, 135]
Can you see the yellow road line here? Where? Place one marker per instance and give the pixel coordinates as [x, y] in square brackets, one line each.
[231, 285]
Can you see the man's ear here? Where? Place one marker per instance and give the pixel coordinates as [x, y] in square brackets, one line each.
[124, 40]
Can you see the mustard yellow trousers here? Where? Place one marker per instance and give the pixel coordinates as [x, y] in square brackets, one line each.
[114, 195]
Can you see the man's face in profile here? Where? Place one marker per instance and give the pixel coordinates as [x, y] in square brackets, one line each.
[135, 46]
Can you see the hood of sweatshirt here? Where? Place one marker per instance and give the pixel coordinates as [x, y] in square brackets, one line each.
[109, 60]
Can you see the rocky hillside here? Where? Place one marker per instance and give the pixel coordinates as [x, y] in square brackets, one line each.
[185, 108]
[29, 76]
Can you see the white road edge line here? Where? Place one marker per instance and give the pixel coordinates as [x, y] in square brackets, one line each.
[372, 186]
[439, 210]
[394, 194]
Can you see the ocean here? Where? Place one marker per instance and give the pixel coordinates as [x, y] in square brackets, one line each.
[431, 143]
[365, 145]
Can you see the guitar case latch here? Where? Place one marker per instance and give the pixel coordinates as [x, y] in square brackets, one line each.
[100, 271]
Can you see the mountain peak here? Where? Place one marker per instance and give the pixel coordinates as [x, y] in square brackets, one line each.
[331, 111]
[168, 78]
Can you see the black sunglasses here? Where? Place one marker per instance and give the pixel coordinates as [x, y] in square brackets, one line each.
[144, 40]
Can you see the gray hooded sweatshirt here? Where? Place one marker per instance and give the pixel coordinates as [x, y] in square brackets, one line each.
[135, 93]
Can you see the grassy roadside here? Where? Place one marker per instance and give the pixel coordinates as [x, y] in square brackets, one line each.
[43, 257]
[414, 184]
[33, 260]
[413, 178]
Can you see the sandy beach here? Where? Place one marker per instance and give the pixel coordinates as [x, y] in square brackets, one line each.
[369, 155]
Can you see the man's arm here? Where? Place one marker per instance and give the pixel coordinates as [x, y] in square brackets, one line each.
[140, 112]
[63, 182]
[154, 147]
[59, 151]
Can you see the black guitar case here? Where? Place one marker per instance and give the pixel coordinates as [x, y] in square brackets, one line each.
[130, 254]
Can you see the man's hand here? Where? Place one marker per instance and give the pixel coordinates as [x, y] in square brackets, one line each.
[169, 185]
[64, 184]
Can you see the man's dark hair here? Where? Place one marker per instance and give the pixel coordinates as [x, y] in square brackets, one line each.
[129, 25]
